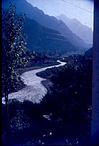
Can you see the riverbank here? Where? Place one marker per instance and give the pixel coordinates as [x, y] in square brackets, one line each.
[20, 71]
[65, 112]
[34, 90]
[17, 82]
[47, 84]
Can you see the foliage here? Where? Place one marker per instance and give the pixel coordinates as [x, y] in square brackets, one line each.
[13, 46]
[70, 97]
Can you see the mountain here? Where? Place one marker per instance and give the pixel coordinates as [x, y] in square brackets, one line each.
[23, 6]
[84, 32]
[46, 33]
[45, 40]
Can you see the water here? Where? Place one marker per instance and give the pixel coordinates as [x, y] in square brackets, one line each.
[34, 90]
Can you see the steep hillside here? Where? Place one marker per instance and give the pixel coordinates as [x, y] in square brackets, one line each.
[48, 21]
[84, 32]
[46, 40]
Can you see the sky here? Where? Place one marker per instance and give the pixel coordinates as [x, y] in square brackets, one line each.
[81, 10]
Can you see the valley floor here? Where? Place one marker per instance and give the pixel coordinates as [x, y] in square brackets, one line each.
[63, 117]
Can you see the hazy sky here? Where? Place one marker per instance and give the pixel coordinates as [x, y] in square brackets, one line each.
[79, 9]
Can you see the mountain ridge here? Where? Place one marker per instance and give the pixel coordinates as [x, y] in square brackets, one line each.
[49, 21]
[83, 31]
[67, 42]
[46, 40]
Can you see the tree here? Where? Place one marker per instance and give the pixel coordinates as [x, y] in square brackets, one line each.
[13, 48]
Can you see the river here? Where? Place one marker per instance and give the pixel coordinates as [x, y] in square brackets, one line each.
[34, 90]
